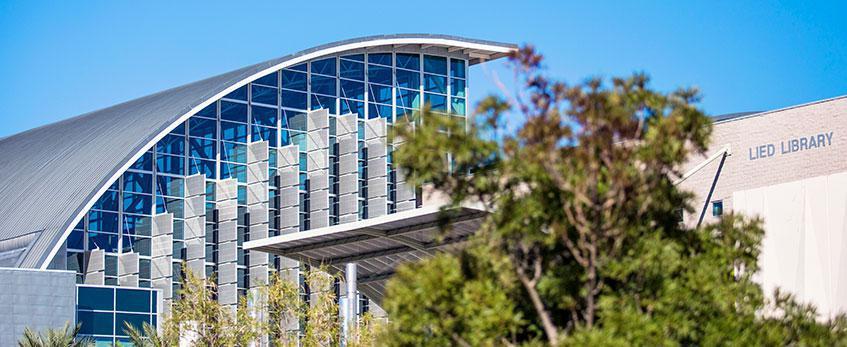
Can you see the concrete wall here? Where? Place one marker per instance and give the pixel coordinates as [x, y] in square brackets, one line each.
[36, 299]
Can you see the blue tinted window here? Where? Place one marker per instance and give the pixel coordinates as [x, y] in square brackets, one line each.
[435, 64]
[237, 171]
[352, 70]
[202, 148]
[433, 83]
[170, 164]
[140, 245]
[234, 152]
[265, 134]
[380, 94]
[408, 79]
[76, 240]
[179, 130]
[145, 162]
[135, 320]
[234, 132]
[268, 80]
[457, 68]
[408, 98]
[109, 201]
[293, 80]
[264, 95]
[133, 300]
[380, 58]
[202, 127]
[352, 106]
[234, 111]
[138, 203]
[138, 182]
[299, 67]
[457, 106]
[457, 87]
[437, 102]
[106, 242]
[137, 225]
[264, 115]
[352, 89]
[408, 61]
[324, 67]
[383, 111]
[171, 144]
[357, 57]
[379, 74]
[323, 85]
[327, 102]
[100, 323]
[206, 167]
[294, 99]
[238, 94]
[210, 111]
[169, 186]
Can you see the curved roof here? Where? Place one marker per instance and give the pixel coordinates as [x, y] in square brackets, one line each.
[51, 175]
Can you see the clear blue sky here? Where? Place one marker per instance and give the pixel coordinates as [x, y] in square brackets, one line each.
[63, 58]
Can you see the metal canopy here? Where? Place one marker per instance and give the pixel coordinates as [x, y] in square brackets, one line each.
[377, 245]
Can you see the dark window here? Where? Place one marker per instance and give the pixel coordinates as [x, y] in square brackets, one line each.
[210, 111]
[200, 127]
[234, 111]
[717, 208]
[356, 57]
[293, 80]
[457, 68]
[171, 144]
[268, 80]
[437, 84]
[264, 95]
[352, 70]
[100, 323]
[408, 79]
[352, 90]
[294, 100]
[435, 64]
[379, 94]
[379, 74]
[408, 61]
[323, 85]
[380, 58]
[264, 116]
[238, 94]
[324, 67]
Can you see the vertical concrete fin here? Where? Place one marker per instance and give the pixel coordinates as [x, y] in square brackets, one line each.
[257, 205]
[195, 224]
[226, 204]
[161, 262]
[405, 198]
[375, 140]
[128, 269]
[95, 271]
[348, 175]
[317, 154]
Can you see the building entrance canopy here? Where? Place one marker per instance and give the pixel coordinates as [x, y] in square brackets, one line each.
[376, 245]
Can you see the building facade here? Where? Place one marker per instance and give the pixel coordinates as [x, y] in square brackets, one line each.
[123, 196]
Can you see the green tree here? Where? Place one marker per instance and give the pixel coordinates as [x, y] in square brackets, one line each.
[65, 337]
[582, 244]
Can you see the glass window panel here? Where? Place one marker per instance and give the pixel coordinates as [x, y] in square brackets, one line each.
[437, 84]
[238, 94]
[180, 129]
[237, 171]
[170, 205]
[138, 182]
[76, 240]
[405, 114]
[234, 111]
[436, 102]
[375, 110]
[457, 106]
[202, 148]
[170, 164]
[138, 203]
[408, 98]
[234, 152]
[210, 111]
[408, 61]
[380, 58]
[108, 201]
[324, 67]
[457, 68]
[171, 144]
[352, 70]
[234, 132]
[136, 320]
[300, 67]
[145, 162]
[100, 323]
[352, 106]
[268, 80]
[206, 167]
[356, 57]
[106, 242]
[264, 134]
[200, 127]
[264, 95]
[299, 139]
[169, 186]
[435, 64]
[379, 74]
[295, 120]
[327, 102]
[294, 99]
[457, 87]
[323, 85]
[408, 79]
[380, 94]
[137, 225]
[264, 115]
[131, 300]
[140, 245]
[293, 80]
[352, 89]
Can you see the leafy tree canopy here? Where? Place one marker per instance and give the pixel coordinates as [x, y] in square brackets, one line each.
[582, 244]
